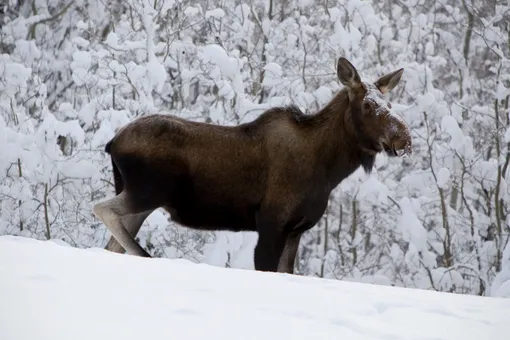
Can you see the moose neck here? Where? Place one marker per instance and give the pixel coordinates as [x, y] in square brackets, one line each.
[339, 145]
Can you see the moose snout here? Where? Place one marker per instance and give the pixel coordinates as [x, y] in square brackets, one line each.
[398, 142]
[403, 146]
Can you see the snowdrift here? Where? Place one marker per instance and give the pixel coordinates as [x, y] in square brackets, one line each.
[56, 292]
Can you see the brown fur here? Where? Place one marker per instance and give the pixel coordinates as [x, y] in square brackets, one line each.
[273, 175]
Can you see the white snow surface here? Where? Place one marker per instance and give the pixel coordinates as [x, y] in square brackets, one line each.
[52, 291]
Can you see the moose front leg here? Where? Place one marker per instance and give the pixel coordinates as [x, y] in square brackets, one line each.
[270, 245]
[268, 252]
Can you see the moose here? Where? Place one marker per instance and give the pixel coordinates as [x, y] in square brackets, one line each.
[273, 175]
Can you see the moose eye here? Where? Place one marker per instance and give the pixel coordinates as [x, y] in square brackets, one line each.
[366, 106]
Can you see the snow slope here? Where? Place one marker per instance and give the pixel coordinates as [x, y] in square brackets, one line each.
[52, 291]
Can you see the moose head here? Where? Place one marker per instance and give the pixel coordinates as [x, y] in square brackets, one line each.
[374, 124]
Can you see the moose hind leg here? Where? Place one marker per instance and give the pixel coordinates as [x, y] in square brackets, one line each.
[132, 223]
[110, 213]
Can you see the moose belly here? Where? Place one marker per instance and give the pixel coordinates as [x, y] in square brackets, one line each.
[210, 216]
[211, 204]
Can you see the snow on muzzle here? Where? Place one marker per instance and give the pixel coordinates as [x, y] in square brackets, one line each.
[398, 142]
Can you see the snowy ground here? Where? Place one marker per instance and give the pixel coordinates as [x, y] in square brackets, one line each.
[51, 291]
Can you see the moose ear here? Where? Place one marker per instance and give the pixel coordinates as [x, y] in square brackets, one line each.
[386, 83]
[347, 73]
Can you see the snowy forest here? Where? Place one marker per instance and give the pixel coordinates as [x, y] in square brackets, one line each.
[72, 72]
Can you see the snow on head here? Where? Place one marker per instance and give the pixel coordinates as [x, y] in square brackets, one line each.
[374, 95]
[396, 128]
